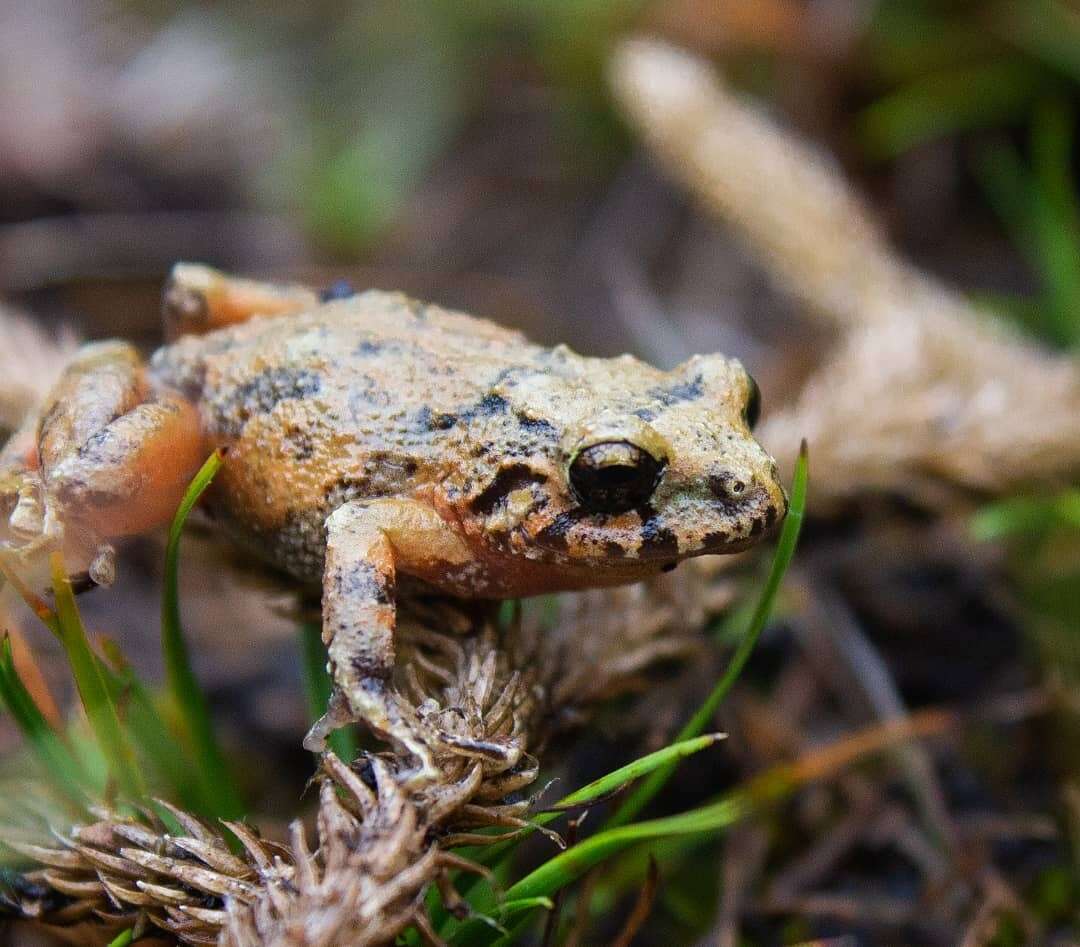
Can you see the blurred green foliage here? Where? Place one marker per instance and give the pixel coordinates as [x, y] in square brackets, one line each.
[949, 66]
[1040, 207]
[1042, 535]
[387, 85]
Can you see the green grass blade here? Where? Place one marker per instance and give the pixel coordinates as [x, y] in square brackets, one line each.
[598, 789]
[153, 741]
[571, 864]
[1057, 215]
[643, 766]
[44, 742]
[785, 549]
[510, 908]
[602, 787]
[568, 866]
[1040, 211]
[317, 686]
[220, 794]
[122, 940]
[90, 682]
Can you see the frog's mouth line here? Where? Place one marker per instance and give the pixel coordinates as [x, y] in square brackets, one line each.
[651, 540]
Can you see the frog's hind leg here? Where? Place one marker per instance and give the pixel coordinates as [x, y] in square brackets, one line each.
[109, 457]
[199, 299]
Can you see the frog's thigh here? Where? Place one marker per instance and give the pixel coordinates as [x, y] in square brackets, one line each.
[366, 545]
[114, 460]
[130, 476]
[103, 381]
[199, 299]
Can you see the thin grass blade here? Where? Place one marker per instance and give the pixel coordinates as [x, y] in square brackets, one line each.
[599, 789]
[44, 742]
[153, 741]
[219, 793]
[90, 682]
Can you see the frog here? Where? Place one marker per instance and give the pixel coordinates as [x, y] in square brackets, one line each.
[375, 447]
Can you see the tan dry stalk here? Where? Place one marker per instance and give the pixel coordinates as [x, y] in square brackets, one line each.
[30, 361]
[925, 393]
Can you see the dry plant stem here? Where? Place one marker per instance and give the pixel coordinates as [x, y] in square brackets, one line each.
[30, 361]
[924, 392]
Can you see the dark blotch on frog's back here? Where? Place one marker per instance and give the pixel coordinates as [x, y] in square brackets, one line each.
[262, 393]
[555, 534]
[678, 393]
[428, 420]
[365, 348]
[536, 426]
[298, 443]
[488, 406]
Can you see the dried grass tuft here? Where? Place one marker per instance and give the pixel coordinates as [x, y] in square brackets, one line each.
[925, 392]
[484, 698]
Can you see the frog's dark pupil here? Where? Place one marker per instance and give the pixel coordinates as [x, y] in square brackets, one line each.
[752, 411]
[613, 477]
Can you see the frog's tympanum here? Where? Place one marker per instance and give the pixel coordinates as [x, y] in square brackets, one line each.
[375, 444]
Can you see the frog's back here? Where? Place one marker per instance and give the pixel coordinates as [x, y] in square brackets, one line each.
[375, 343]
[364, 397]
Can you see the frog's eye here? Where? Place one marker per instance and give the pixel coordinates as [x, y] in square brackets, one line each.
[614, 476]
[752, 411]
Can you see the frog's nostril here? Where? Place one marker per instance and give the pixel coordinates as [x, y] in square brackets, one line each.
[728, 486]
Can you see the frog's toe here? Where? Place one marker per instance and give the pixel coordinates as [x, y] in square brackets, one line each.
[338, 714]
[384, 713]
[22, 496]
[375, 705]
[426, 772]
[504, 755]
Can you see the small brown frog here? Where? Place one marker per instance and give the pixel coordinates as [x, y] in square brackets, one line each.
[376, 444]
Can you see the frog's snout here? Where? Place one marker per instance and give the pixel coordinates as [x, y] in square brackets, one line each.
[754, 501]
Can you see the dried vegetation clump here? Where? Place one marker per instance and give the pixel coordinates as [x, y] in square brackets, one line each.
[924, 393]
[484, 699]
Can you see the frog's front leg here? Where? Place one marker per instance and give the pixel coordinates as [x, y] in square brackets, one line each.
[367, 545]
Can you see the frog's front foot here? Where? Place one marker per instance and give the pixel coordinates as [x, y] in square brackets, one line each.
[374, 703]
[27, 532]
[338, 715]
[24, 501]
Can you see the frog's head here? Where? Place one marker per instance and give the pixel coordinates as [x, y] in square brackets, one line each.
[641, 468]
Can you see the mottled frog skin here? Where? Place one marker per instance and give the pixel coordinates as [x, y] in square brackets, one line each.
[373, 439]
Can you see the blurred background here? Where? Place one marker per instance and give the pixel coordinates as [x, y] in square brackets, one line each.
[472, 154]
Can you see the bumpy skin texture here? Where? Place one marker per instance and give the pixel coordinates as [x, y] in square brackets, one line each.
[381, 396]
[429, 446]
